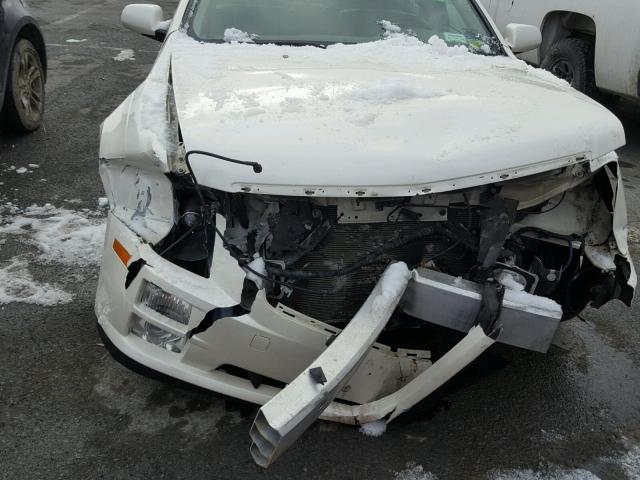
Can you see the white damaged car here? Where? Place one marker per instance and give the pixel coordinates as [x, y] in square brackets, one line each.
[298, 183]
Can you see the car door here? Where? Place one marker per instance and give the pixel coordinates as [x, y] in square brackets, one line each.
[4, 51]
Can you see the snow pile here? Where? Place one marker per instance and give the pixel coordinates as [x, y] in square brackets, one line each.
[392, 91]
[75, 40]
[577, 474]
[103, 202]
[515, 294]
[389, 28]
[18, 285]
[236, 35]
[62, 236]
[392, 285]
[374, 429]
[630, 463]
[440, 47]
[397, 52]
[126, 54]
[414, 472]
[21, 170]
[153, 113]
[510, 280]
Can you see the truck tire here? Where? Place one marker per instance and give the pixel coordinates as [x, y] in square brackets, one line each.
[572, 59]
[24, 96]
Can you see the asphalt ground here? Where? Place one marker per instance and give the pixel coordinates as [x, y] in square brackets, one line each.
[68, 410]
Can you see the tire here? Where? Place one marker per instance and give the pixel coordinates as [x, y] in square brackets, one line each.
[25, 94]
[572, 59]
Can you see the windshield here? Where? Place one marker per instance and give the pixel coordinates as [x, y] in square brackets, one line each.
[322, 22]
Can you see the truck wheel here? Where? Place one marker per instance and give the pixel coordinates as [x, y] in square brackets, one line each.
[24, 96]
[572, 59]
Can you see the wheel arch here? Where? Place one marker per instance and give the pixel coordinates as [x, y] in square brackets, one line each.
[561, 24]
[30, 31]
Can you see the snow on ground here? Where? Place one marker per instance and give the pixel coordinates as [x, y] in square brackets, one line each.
[18, 285]
[578, 474]
[414, 472]
[628, 464]
[126, 54]
[75, 40]
[374, 429]
[62, 236]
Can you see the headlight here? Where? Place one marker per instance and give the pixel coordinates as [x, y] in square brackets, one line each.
[166, 304]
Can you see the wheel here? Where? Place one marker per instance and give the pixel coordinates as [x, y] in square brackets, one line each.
[24, 98]
[572, 59]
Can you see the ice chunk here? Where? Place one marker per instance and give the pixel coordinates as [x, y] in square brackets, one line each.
[236, 35]
[374, 429]
[103, 202]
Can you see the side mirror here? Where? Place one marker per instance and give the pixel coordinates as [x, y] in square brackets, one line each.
[522, 38]
[148, 20]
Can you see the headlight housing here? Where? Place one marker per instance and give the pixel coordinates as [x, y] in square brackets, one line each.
[166, 304]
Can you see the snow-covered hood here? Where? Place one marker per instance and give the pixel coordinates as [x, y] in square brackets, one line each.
[389, 118]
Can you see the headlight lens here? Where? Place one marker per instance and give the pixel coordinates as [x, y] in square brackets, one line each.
[166, 304]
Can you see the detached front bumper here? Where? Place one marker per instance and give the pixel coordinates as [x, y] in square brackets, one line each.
[270, 344]
[275, 344]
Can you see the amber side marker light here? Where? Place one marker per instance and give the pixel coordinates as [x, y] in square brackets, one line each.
[122, 253]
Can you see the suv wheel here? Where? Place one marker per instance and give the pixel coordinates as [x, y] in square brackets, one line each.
[24, 100]
[572, 59]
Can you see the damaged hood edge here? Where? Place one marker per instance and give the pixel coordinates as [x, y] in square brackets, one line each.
[470, 135]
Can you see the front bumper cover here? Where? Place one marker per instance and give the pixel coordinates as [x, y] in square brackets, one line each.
[378, 382]
[257, 342]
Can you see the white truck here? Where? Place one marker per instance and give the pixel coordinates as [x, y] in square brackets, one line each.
[593, 44]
